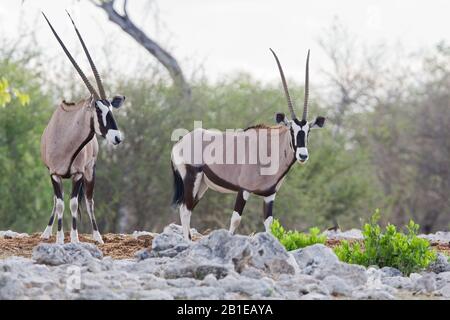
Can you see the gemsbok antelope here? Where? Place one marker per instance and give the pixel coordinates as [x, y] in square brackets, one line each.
[69, 145]
[232, 169]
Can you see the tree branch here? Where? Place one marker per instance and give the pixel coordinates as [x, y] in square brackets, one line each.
[164, 57]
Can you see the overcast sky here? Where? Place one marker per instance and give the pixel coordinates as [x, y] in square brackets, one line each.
[234, 35]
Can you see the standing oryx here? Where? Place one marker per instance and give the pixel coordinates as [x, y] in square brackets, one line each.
[285, 143]
[69, 145]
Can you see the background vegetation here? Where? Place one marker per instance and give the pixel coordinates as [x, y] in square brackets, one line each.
[385, 144]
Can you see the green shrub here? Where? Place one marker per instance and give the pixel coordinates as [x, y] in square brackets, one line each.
[391, 248]
[292, 240]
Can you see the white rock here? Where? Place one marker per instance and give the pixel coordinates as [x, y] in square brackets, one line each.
[440, 236]
[137, 234]
[315, 296]
[10, 287]
[440, 265]
[352, 234]
[372, 294]
[12, 234]
[354, 275]
[398, 282]
[425, 284]
[69, 253]
[315, 256]
[445, 291]
[155, 295]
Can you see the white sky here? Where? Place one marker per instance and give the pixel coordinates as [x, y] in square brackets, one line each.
[233, 35]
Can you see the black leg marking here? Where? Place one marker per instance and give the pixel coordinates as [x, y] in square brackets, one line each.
[76, 186]
[268, 207]
[89, 186]
[188, 185]
[240, 202]
[58, 192]
[57, 188]
[52, 218]
[94, 224]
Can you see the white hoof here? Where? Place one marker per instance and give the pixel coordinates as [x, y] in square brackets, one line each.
[74, 236]
[268, 224]
[60, 237]
[97, 237]
[47, 233]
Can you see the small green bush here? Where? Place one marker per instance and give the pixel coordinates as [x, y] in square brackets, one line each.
[406, 252]
[292, 240]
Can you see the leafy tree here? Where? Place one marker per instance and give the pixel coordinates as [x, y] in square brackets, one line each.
[6, 94]
[25, 190]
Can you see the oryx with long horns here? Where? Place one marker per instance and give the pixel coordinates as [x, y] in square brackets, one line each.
[69, 145]
[236, 161]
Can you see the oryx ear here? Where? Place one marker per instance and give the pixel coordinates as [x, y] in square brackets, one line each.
[117, 101]
[319, 122]
[281, 118]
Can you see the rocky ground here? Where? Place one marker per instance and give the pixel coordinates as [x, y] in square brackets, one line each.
[215, 266]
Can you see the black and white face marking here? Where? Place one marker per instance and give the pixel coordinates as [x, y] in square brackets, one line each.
[300, 132]
[105, 124]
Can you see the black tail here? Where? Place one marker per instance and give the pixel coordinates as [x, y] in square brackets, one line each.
[80, 200]
[178, 188]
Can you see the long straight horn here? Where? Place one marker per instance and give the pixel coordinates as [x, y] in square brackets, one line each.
[82, 75]
[94, 69]
[286, 91]
[305, 105]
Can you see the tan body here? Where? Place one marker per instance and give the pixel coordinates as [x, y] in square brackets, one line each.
[237, 174]
[59, 143]
[69, 149]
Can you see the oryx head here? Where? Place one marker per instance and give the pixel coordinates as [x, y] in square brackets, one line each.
[299, 128]
[104, 122]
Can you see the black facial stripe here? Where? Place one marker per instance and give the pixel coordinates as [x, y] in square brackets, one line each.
[301, 139]
[101, 125]
[110, 121]
[293, 139]
[301, 123]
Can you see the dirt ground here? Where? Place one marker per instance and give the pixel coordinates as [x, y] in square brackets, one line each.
[117, 246]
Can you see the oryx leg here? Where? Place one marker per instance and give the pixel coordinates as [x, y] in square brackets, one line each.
[202, 188]
[48, 230]
[239, 205]
[268, 207]
[58, 210]
[77, 183]
[89, 194]
[192, 181]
